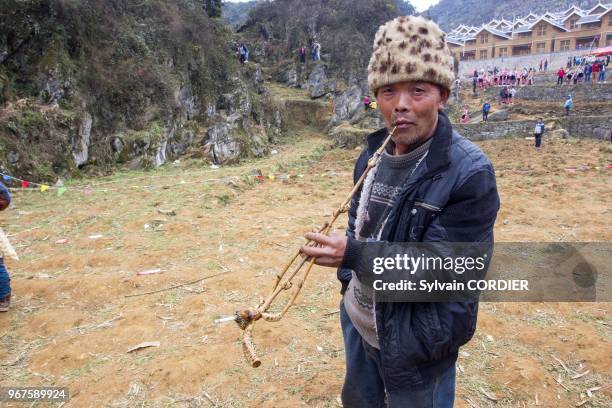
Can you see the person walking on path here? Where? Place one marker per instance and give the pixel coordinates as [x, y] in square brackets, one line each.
[486, 108]
[569, 105]
[538, 132]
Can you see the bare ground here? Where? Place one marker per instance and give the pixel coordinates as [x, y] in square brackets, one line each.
[71, 324]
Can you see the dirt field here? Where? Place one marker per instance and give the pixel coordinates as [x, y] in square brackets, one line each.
[71, 324]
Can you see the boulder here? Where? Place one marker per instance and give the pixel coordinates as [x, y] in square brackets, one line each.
[346, 105]
[224, 147]
[318, 84]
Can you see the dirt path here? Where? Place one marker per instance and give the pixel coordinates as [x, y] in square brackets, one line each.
[71, 324]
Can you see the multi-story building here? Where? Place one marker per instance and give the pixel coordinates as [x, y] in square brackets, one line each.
[572, 29]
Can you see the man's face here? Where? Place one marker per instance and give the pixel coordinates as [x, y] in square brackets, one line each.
[412, 107]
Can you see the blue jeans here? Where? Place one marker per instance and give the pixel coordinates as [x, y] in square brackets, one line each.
[5, 281]
[364, 386]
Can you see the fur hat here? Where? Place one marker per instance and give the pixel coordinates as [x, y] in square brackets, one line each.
[410, 49]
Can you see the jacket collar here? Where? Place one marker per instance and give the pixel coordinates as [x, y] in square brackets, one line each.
[437, 158]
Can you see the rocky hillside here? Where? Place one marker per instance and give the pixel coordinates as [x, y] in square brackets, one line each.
[344, 28]
[451, 13]
[98, 83]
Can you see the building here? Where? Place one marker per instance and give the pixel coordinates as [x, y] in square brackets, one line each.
[572, 29]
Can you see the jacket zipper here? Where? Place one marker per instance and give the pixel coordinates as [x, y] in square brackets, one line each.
[427, 206]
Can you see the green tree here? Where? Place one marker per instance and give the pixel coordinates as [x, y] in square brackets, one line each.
[404, 8]
[213, 8]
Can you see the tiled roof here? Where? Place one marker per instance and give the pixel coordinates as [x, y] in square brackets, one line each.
[589, 19]
[495, 32]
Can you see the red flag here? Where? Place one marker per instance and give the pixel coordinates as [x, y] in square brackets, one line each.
[24, 184]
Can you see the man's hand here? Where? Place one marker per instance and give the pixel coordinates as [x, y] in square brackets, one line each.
[331, 251]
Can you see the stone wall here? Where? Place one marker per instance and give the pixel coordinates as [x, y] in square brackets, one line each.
[597, 127]
[580, 92]
[555, 61]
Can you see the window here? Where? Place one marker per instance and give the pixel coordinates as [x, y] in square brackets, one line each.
[564, 45]
[610, 20]
[573, 23]
[591, 26]
[484, 38]
[524, 35]
[503, 52]
[608, 40]
[483, 54]
[540, 47]
[542, 29]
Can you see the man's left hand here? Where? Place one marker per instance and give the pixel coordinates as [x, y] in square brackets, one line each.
[331, 250]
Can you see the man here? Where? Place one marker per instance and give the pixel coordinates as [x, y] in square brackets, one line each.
[595, 70]
[538, 132]
[560, 76]
[317, 48]
[430, 185]
[569, 104]
[587, 73]
[5, 280]
[457, 88]
[485, 111]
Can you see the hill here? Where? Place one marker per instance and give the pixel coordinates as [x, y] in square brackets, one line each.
[98, 82]
[344, 28]
[451, 13]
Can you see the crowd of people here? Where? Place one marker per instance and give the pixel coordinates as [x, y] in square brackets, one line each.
[502, 77]
[587, 70]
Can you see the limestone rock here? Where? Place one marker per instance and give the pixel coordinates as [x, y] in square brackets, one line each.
[80, 143]
[347, 105]
[318, 84]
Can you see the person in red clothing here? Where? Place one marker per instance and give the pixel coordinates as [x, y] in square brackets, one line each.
[596, 68]
[560, 76]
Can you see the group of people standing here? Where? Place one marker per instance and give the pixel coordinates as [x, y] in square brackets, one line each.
[504, 77]
[315, 52]
[581, 71]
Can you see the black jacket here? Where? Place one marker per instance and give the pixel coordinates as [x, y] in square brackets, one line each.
[452, 197]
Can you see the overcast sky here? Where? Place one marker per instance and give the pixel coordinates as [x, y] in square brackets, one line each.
[420, 5]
